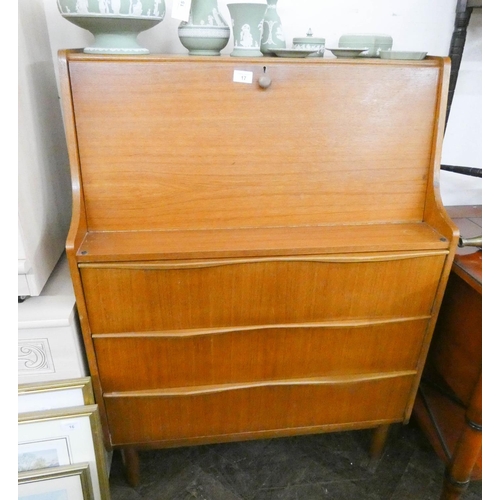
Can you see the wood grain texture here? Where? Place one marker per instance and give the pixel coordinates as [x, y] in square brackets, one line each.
[261, 292]
[222, 356]
[203, 152]
[297, 240]
[256, 409]
[457, 348]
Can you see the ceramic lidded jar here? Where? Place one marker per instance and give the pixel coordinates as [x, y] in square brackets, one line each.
[115, 24]
[247, 20]
[310, 43]
[272, 32]
[206, 33]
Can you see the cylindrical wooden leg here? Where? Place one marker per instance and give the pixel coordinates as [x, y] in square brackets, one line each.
[379, 439]
[466, 450]
[130, 459]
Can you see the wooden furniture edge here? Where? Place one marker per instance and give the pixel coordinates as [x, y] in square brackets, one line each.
[200, 332]
[78, 227]
[251, 435]
[436, 215]
[79, 55]
[467, 449]
[77, 233]
[434, 211]
[265, 242]
[238, 386]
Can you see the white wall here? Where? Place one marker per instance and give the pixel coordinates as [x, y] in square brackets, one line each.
[425, 25]
[463, 139]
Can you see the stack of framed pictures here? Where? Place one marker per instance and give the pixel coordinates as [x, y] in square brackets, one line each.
[61, 454]
[59, 483]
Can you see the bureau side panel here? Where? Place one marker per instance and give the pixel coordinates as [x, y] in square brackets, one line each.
[178, 144]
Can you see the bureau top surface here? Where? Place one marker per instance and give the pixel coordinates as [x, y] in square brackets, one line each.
[259, 242]
[79, 55]
[176, 143]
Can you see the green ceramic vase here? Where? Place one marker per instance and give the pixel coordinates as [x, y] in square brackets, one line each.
[272, 32]
[247, 20]
[206, 33]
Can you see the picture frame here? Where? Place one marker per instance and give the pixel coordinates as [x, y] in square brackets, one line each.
[42, 396]
[71, 482]
[64, 437]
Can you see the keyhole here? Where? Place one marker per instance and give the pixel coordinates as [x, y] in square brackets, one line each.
[264, 80]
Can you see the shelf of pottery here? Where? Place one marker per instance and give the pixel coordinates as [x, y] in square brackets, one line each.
[253, 28]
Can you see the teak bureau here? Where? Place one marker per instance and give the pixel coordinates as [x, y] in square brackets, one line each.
[254, 262]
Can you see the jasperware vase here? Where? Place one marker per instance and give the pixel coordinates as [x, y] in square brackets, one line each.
[206, 33]
[247, 20]
[272, 30]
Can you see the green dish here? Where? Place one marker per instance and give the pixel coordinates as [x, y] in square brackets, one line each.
[347, 52]
[292, 52]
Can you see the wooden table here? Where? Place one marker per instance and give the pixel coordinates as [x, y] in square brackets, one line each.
[448, 406]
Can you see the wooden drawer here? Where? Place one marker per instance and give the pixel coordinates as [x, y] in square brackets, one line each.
[249, 411]
[199, 357]
[156, 296]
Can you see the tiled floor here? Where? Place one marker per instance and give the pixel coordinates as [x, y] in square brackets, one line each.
[325, 466]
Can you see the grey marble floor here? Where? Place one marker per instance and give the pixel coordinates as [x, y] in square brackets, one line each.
[325, 466]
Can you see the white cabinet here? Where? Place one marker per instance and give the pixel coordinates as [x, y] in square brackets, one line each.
[44, 185]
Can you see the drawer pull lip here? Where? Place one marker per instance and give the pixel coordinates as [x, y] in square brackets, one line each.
[213, 389]
[329, 259]
[350, 323]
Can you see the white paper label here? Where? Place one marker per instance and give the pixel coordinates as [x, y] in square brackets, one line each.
[181, 9]
[242, 76]
[70, 426]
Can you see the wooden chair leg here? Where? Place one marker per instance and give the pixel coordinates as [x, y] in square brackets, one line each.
[467, 449]
[130, 458]
[379, 439]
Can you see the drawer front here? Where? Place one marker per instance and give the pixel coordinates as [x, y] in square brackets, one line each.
[209, 357]
[141, 297]
[246, 412]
